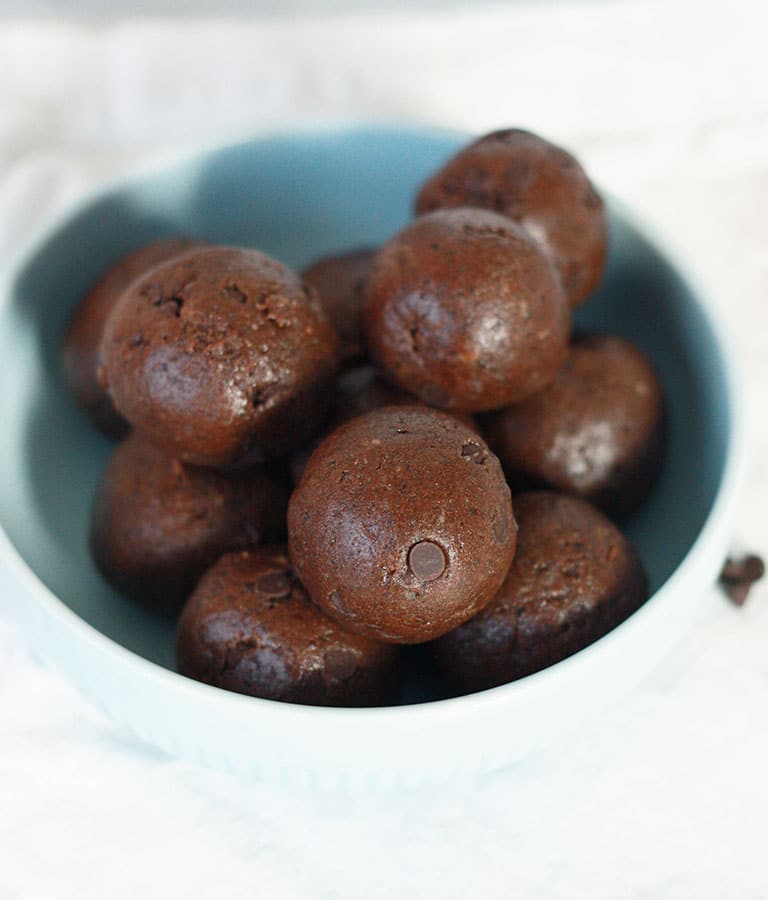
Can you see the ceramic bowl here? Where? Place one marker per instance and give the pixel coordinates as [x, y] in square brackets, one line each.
[298, 196]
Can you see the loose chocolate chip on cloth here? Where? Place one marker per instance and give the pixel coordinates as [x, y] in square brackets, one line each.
[739, 575]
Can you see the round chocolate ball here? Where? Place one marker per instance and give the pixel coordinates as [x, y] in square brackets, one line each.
[222, 357]
[597, 431]
[340, 285]
[81, 348]
[537, 184]
[250, 627]
[401, 526]
[157, 524]
[464, 310]
[573, 579]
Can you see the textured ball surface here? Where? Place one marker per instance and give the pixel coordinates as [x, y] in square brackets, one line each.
[157, 524]
[222, 357]
[81, 350]
[250, 627]
[597, 431]
[573, 579]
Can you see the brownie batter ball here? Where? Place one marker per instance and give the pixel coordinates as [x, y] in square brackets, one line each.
[222, 357]
[157, 524]
[597, 431]
[538, 184]
[81, 355]
[401, 526]
[250, 627]
[340, 285]
[464, 310]
[573, 579]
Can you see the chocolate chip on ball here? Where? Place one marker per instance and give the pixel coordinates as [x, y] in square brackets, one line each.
[222, 357]
[157, 524]
[401, 526]
[464, 310]
[251, 627]
[340, 285]
[573, 579]
[597, 431]
[537, 184]
[81, 349]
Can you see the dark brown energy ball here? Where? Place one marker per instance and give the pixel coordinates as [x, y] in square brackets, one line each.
[573, 579]
[464, 310]
[597, 431]
[157, 524]
[222, 357]
[538, 184]
[250, 627]
[81, 353]
[401, 526]
[340, 285]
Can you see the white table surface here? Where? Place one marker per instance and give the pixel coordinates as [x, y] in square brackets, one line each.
[666, 795]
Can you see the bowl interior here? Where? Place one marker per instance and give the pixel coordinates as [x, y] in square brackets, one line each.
[298, 197]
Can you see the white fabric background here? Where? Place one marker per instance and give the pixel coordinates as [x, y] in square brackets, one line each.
[665, 795]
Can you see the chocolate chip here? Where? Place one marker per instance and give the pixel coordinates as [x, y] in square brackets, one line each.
[274, 584]
[426, 560]
[738, 576]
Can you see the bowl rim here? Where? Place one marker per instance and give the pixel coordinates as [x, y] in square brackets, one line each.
[703, 556]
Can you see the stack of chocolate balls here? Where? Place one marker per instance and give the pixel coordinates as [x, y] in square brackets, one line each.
[315, 469]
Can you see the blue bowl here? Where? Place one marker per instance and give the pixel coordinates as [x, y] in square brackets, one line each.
[297, 197]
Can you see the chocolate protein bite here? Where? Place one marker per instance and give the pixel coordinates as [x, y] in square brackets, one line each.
[401, 526]
[250, 627]
[464, 310]
[340, 285]
[573, 579]
[537, 184]
[222, 357]
[597, 431]
[81, 354]
[157, 524]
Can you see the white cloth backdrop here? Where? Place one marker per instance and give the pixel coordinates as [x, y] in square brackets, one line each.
[665, 796]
